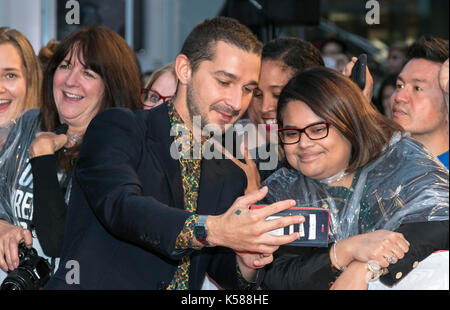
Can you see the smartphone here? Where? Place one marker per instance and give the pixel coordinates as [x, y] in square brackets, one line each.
[61, 130]
[313, 232]
[358, 74]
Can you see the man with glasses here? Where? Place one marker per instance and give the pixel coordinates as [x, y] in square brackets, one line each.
[141, 219]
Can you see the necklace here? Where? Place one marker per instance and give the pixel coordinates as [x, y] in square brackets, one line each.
[335, 178]
[74, 138]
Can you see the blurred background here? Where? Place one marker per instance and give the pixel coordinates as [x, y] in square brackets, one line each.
[156, 29]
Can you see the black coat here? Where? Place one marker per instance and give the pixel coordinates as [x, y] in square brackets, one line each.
[310, 268]
[127, 209]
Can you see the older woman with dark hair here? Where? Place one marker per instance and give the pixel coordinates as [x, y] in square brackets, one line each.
[387, 196]
[93, 69]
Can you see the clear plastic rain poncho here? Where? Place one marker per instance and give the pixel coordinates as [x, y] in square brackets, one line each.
[13, 160]
[406, 184]
[16, 182]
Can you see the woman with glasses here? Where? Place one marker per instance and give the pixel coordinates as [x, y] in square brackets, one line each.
[282, 58]
[161, 87]
[383, 190]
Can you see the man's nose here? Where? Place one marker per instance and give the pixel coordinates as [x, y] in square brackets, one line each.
[400, 95]
[236, 100]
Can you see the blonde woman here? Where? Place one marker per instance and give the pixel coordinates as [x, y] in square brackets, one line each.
[20, 79]
[161, 87]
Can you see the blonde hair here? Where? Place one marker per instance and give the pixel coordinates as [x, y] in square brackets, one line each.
[155, 75]
[30, 62]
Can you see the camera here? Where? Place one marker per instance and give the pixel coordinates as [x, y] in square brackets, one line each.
[32, 274]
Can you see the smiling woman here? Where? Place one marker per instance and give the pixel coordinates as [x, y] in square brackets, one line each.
[378, 184]
[93, 69]
[20, 79]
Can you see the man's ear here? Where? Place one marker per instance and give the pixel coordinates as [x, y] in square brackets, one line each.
[183, 69]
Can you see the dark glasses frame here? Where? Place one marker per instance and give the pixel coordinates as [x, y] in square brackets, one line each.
[303, 130]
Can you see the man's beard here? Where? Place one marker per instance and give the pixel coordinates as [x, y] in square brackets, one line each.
[194, 108]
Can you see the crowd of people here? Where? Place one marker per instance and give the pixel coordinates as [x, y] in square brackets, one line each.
[88, 172]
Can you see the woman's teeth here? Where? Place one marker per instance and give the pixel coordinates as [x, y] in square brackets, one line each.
[5, 101]
[72, 96]
[270, 121]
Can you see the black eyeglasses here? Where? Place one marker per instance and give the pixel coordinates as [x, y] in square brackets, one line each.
[150, 97]
[314, 131]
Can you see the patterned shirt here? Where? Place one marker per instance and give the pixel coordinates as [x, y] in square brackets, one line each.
[190, 175]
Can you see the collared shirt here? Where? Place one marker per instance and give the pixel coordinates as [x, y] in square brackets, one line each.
[444, 159]
[190, 174]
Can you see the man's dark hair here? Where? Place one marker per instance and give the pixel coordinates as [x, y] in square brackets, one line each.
[295, 53]
[429, 48]
[200, 43]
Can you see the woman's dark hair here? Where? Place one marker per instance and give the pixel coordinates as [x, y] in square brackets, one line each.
[335, 98]
[390, 80]
[296, 54]
[107, 54]
[46, 52]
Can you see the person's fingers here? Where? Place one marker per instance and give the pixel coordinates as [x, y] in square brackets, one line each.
[282, 222]
[249, 161]
[228, 155]
[39, 134]
[276, 208]
[349, 66]
[3, 264]
[265, 259]
[27, 238]
[251, 198]
[246, 157]
[13, 254]
[399, 254]
[403, 245]
[280, 240]
[59, 141]
[236, 161]
[7, 253]
[266, 248]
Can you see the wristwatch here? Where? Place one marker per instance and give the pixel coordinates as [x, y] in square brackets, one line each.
[374, 271]
[200, 230]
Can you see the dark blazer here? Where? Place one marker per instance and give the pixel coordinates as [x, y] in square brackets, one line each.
[127, 209]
